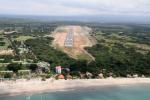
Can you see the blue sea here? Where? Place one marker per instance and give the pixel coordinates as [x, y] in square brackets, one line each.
[131, 92]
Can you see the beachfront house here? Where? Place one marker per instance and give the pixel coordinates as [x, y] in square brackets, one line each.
[58, 69]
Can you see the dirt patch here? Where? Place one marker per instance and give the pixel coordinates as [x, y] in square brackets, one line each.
[81, 39]
[6, 52]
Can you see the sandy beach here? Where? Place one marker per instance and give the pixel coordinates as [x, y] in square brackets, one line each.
[51, 85]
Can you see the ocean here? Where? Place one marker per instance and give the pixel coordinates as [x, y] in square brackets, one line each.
[131, 92]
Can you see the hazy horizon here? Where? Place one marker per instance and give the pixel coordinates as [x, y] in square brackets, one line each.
[85, 10]
[76, 7]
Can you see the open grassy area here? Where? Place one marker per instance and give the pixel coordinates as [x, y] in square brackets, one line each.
[111, 39]
[84, 57]
[139, 46]
[2, 65]
[114, 38]
[4, 46]
[23, 38]
[1, 32]
[6, 42]
[61, 29]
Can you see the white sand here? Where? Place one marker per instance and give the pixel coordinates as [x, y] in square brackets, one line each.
[36, 85]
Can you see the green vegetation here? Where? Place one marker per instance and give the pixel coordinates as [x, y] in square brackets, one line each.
[120, 60]
[23, 38]
[14, 67]
[120, 49]
[43, 51]
[128, 36]
[6, 58]
[61, 29]
[4, 42]
[84, 57]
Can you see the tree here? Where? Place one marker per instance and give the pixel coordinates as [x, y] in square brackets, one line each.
[15, 67]
[33, 67]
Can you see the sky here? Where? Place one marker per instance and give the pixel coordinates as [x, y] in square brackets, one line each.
[76, 7]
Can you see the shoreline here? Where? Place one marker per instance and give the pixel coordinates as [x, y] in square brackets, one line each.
[34, 86]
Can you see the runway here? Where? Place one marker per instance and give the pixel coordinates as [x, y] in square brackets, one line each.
[69, 38]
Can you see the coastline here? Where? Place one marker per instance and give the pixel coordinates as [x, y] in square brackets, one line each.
[37, 86]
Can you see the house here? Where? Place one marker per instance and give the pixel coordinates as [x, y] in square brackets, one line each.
[58, 69]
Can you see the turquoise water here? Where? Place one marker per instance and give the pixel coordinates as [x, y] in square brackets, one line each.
[138, 92]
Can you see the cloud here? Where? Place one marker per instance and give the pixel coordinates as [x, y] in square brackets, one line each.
[76, 7]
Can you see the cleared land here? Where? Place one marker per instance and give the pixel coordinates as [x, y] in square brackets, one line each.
[81, 39]
[6, 52]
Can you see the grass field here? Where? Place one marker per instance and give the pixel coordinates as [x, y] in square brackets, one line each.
[2, 65]
[7, 43]
[23, 38]
[84, 57]
[126, 40]
[140, 46]
[1, 32]
[5, 50]
[61, 29]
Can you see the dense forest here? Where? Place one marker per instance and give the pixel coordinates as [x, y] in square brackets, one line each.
[44, 52]
[120, 60]
[121, 49]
